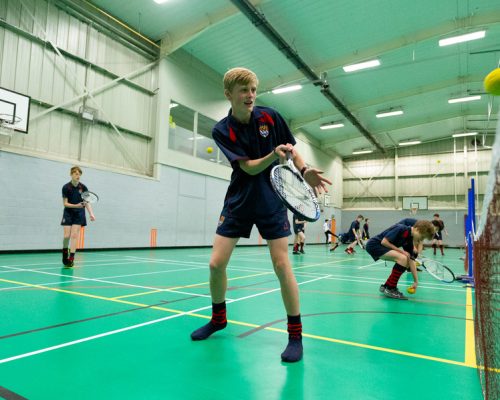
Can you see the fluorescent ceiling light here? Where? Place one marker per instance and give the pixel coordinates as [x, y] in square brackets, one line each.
[287, 89]
[331, 125]
[464, 99]
[362, 151]
[462, 38]
[465, 134]
[363, 65]
[160, 1]
[409, 142]
[384, 114]
[173, 105]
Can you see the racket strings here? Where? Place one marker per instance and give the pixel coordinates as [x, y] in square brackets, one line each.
[89, 197]
[434, 268]
[292, 189]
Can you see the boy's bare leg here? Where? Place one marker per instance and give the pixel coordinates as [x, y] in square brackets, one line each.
[290, 295]
[221, 253]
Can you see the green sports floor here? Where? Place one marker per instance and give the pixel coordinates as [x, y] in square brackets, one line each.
[117, 326]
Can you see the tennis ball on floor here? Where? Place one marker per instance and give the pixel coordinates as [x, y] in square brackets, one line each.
[209, 150]
[411, 290]
[492, 82]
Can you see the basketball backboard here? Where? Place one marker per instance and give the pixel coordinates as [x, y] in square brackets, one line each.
[414, 202]
[14, 110]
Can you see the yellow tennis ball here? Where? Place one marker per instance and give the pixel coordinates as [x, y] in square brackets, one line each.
[209, 150]
[411, 290]
[492, 82]
[438, 161]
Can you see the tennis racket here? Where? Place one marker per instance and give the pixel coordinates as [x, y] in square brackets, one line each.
[437, 270]
[90, 197]
[293, 191]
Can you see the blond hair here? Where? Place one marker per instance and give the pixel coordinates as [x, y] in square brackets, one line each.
[425, 228]
[76, 168]
[243, 76]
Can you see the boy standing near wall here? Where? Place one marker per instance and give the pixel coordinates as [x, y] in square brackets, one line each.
[74, 215]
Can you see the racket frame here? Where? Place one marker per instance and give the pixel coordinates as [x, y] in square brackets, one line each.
[91, 194]
[291, 166]
[441, 265]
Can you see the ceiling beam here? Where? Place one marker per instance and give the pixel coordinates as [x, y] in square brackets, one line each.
[175, 40]
[394, 97]
[450, 27]
[440, 118]
[259, 20]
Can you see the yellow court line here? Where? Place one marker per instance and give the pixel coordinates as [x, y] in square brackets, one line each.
[207, 283]
[470, 344]
[323, 338]
[189, 286]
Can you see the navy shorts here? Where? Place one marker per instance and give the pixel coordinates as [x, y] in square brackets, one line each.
[438, 236]
[375, 249]
[74, 217]
[297, 229]
[271, 227]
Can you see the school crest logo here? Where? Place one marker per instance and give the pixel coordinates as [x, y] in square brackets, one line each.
[264, 130]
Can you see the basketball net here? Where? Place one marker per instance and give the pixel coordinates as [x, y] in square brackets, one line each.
[6, 129]
[413, 210]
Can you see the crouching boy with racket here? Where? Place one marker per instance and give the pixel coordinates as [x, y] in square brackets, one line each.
[74, 214]
[386, 246]
[253, 139]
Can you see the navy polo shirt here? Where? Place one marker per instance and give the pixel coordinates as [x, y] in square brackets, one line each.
[74, 193]
[350, 234]
[408, 221]
[251, 195]
[399, 235]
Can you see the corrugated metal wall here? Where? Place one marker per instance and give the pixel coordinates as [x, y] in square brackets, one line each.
[373, 182]
[29, 65]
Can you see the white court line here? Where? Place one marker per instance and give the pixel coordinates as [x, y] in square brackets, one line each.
[428, 285]
[121, 284]
[59, 264]
[72, 279]
[128, 328]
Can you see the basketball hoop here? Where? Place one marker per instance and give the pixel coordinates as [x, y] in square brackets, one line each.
[7, 124]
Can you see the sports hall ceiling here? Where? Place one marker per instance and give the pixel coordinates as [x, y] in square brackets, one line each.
[415, 75]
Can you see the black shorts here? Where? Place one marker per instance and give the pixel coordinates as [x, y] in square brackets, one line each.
[375, 249]
[438, 236]
[74, 216]
[270, 227]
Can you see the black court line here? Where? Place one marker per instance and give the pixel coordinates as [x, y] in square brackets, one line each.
[261, 327]
[8, 395]
[94, 318]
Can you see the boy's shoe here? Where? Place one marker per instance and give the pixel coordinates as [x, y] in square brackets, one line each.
[334, 247]
[382, 288]
[394, 293]
[295, 252]
[302, 251]
[70, 263]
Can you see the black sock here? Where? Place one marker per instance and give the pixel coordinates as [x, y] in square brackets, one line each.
[65, 254]
[217, 322]
[294, 350]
